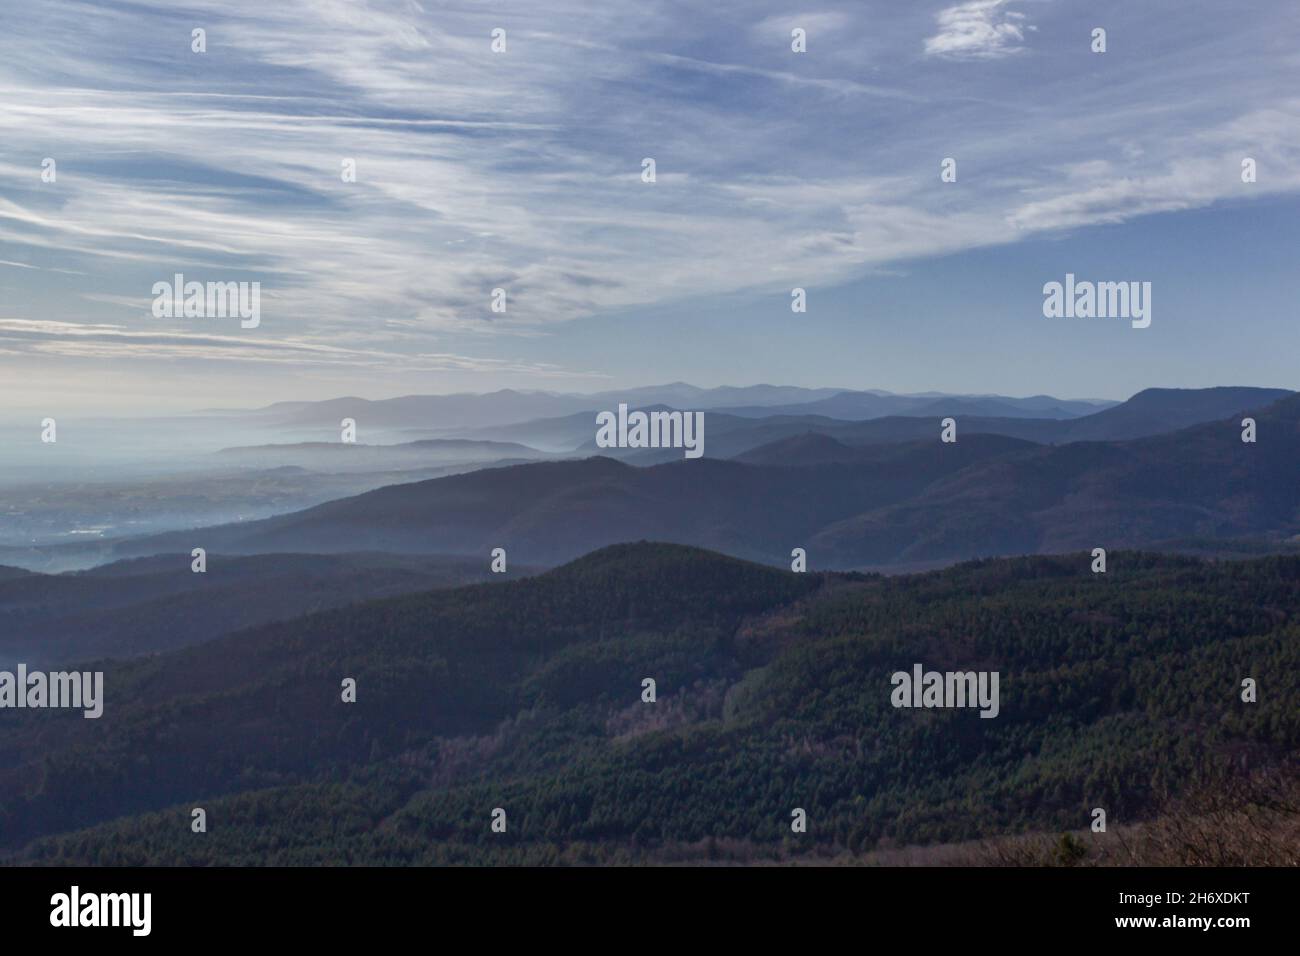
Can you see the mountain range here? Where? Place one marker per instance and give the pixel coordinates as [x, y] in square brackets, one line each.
[731, 432]
[463, 413]
[525, 690]
[849, 499]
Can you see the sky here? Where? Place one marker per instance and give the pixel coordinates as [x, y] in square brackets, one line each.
[522, 169]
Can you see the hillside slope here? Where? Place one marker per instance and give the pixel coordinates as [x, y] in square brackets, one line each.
[773, 693]
[157, 603]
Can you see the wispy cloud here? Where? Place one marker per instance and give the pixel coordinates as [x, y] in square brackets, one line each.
[99, 340]
[978, 29]
[521, 170]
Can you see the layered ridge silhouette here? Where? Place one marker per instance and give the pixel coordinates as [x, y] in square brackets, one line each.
[848, 505]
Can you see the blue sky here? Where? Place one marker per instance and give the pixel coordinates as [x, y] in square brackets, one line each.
[522, 170]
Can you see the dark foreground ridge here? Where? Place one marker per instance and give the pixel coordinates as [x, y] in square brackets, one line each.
[1118, 691]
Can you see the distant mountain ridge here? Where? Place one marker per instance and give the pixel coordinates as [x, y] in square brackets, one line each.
[918, 501]
[1150, 412]
[509, 406]
[856, 406]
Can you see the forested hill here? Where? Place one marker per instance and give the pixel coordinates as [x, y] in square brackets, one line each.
[773, 693]
[153, 604]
